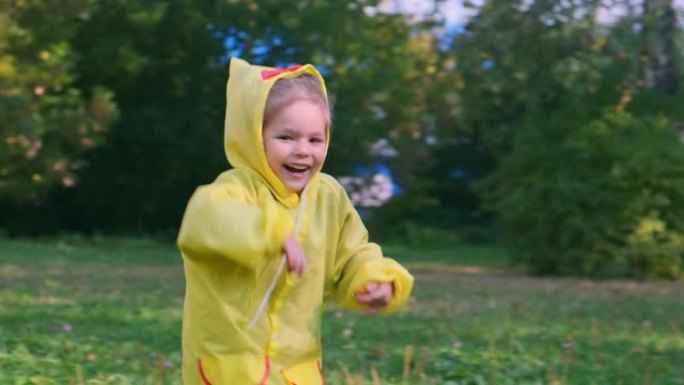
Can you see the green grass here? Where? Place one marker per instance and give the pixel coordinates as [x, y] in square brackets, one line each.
[108, 311]
[460, 256]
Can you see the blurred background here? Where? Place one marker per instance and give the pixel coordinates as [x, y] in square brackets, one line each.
[551, 127]
[507, 152]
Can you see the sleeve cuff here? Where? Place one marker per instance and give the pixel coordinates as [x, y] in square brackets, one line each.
[383, 270]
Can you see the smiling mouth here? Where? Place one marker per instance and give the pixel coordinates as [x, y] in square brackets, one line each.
[296, 169]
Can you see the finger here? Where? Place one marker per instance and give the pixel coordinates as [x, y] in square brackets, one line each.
[288, 259]
[302, 263]
[369, 299]
[376, 299]
[296, 264]
[386, 292]
[363, 297]
[376, 292]
[382, 291]
[300, 266]
[291, 263]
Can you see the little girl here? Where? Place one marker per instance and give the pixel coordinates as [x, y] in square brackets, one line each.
[269, 242]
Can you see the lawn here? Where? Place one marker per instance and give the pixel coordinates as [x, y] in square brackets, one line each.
[108, 311]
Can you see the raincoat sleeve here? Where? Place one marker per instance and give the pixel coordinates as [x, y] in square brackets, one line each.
[220, 223]
[359, 262]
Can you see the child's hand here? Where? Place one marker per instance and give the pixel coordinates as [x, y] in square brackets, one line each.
[296, 260]
[376, 296]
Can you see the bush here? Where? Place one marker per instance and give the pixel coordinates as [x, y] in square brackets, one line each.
[410, 221]
[602, 200]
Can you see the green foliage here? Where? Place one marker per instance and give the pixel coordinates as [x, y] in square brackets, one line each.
[46, 121]
[603, 198]
[406, 219]
[122, 102]
[165, 64]
[577, 190]
[522, 60]
[108, 311]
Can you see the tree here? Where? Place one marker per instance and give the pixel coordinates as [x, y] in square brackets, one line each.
[47, 123]
[582, 185]
[601, 199]
[165, 63]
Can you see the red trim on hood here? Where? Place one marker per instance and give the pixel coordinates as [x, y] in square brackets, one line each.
[201, 372]
[267, 370]
[267, 74]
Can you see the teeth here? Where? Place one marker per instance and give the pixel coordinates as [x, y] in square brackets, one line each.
[298, 168]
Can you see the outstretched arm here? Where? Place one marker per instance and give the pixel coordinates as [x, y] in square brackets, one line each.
[363, 276]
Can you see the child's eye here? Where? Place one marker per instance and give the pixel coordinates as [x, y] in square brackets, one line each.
[284, 137]
[316, 140]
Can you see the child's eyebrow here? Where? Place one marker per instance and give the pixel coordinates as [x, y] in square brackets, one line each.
[286, 130]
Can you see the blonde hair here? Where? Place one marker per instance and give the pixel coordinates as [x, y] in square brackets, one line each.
[289, 90]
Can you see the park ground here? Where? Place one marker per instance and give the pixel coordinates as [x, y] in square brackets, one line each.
[80, 311]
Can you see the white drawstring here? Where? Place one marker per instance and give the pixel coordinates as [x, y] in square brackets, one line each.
[262, 306]
[272, 286]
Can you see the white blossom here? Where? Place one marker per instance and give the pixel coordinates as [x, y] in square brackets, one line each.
[368, 192]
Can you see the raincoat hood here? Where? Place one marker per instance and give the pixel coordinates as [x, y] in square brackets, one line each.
[246, 93]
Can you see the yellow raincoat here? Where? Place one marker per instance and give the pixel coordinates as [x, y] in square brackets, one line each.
[245, 321]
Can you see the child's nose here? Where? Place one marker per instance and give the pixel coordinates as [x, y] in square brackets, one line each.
[303, 148]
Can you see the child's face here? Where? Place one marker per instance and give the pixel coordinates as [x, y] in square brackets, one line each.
[294, 141]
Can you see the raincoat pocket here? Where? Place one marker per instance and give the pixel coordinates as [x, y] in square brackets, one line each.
[241, 368]
[305, 373]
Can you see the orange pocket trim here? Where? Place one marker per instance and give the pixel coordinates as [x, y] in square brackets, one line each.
[304, 373]
[267, 370]
[201, 372]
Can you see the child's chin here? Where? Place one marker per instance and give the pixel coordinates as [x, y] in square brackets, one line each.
[296, 188]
